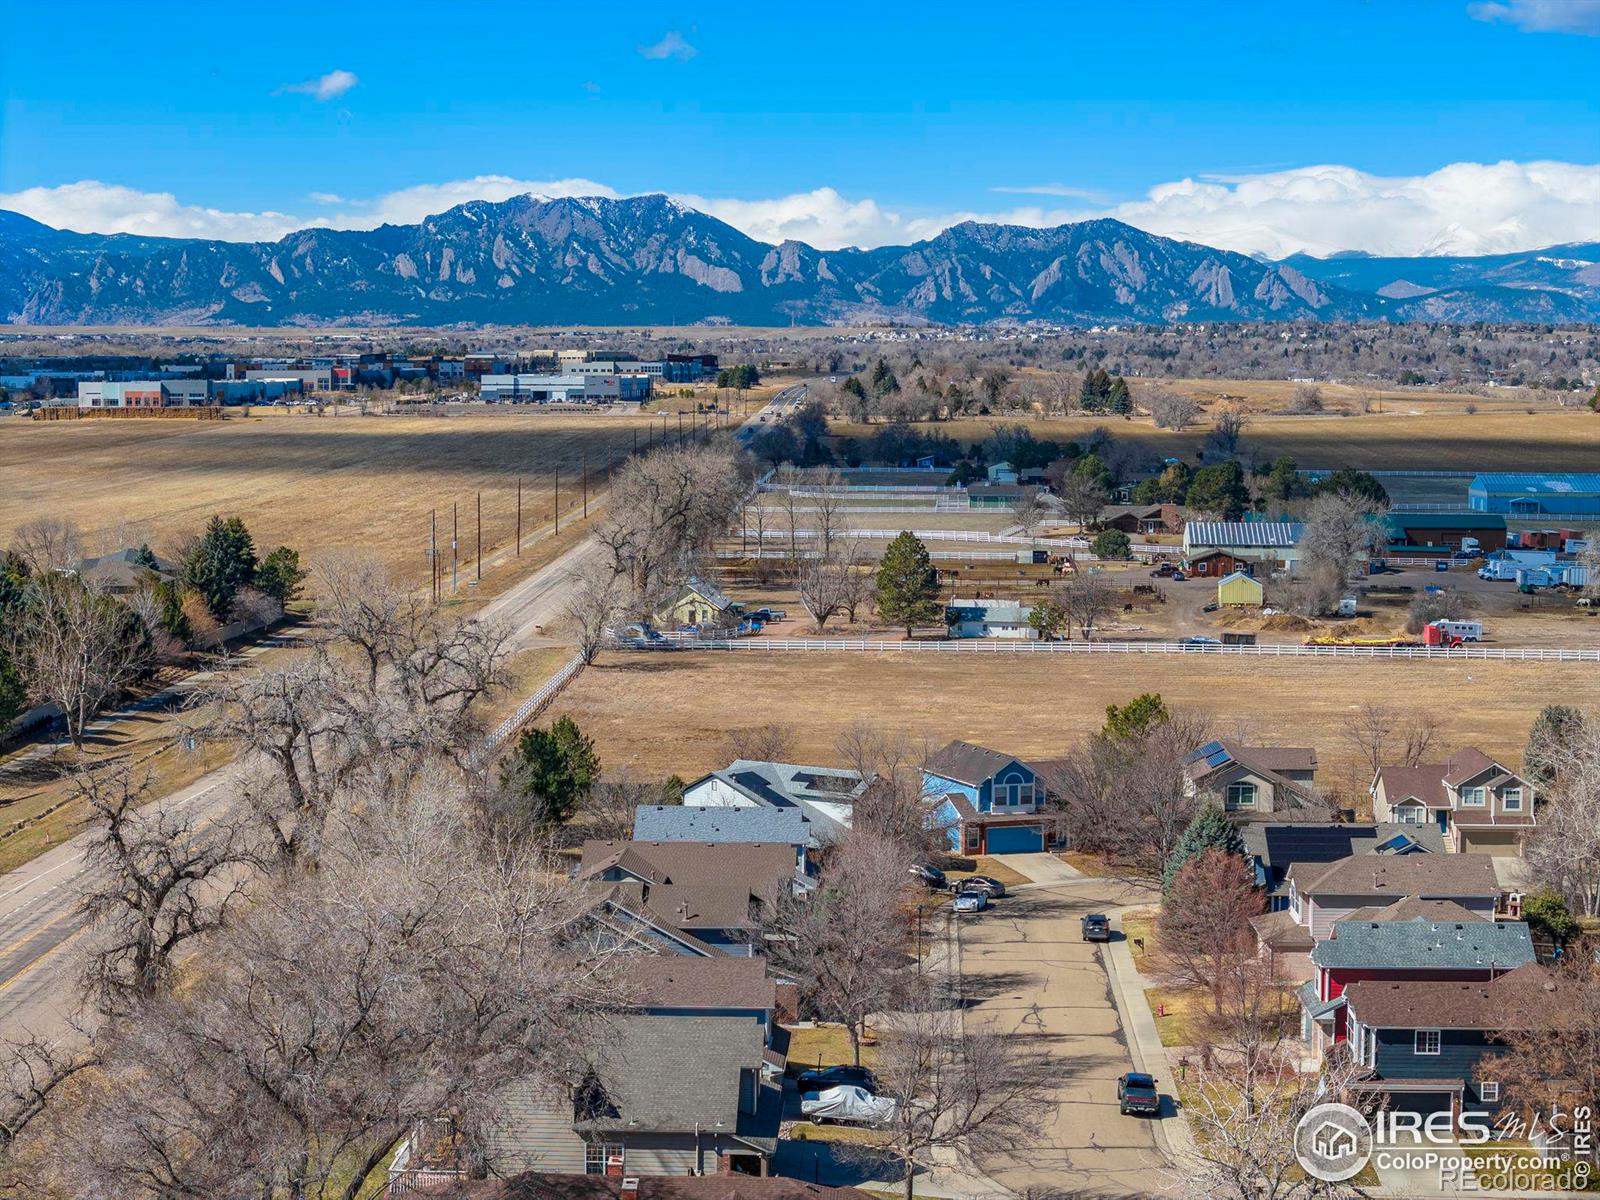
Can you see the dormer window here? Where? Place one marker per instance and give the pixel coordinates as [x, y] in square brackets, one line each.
[1410, 813]
[1474, 797]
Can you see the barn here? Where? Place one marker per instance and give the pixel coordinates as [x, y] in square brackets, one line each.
[1445, 530]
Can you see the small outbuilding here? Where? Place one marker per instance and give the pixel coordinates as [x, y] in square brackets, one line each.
[1240, 591]
[695, 603]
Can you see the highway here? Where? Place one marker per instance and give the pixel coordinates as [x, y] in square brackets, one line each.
[39, 902]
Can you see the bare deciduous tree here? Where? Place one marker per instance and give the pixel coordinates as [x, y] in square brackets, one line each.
[1378, 735]
[964, 1086]
[1086, 596]
[594, 605]
[666, 508]
[1028, 512]
[1082, 498]
[1341, 532]
[78, 648]
[761, 743]
[159, 883]
[1171, 410]
[1563, 851]
[47, 544]
[1227, 434]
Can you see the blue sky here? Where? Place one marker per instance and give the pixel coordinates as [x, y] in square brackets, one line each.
[862, 122]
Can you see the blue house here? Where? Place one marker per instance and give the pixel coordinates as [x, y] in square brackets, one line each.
[1431, 1047]
[1535, 494]
[990, 803]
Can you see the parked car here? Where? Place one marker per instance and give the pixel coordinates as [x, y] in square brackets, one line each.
[823, 1078]
[987, 884]
[1097, 928]
[1137, 1095]
[1212, 607]
[1163, 571]
[1178, 577]
[851, 1105]
[930, 875]
[1199, 641]
[766, 615]
[970, 902]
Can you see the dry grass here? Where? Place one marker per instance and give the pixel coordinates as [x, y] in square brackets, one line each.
[1139, 928]
[673, 713]
[1422, 437]
[825, 1046]
[313, 483]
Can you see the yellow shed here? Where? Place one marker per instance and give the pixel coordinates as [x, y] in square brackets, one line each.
[1239, 591]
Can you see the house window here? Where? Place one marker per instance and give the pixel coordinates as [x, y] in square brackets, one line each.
[1489, 1092]
[1409, 814]
[595, 1155]
[1013, 795]
[1472, 797]
[1427, 1041]
[1511, 799]
[1241, 795]
[972, 837]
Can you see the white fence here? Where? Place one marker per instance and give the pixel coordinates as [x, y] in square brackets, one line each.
[529, 708]
[945, 535]
[1007, 646]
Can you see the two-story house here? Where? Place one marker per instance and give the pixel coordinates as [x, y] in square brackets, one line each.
[1477, 803]
[1412, 939]
[1272, 847]
[715, 823]
[1431, 1047]
[1256, 781]
[988, 802]
[1322, 894]
[662, 1095]
[826, 796]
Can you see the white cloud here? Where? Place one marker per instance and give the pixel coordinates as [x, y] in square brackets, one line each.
[1465, 208]
[324, 197]
[671, 46]
[324, 87]
[1055, 189]
[1542, 16]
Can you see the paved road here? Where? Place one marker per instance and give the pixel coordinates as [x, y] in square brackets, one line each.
[1024, 965]
[39, 901]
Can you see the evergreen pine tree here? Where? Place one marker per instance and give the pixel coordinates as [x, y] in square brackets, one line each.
[907, 588]
[221, 562]
[553, 769]
[1210, 830]
[1118, 398]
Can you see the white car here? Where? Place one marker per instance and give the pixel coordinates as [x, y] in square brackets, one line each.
[851, 1105]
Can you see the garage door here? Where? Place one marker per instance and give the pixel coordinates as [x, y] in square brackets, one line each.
[1015, 839]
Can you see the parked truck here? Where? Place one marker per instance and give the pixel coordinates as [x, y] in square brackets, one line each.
[1445, 633]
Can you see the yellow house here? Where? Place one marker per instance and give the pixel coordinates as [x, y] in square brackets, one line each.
[695, 603]
[1240, 591]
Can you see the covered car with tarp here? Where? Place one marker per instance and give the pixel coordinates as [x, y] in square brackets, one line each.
[852, 1105]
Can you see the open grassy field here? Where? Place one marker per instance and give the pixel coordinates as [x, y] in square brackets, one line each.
[1497, 438]
[312, 483]
[672, 713]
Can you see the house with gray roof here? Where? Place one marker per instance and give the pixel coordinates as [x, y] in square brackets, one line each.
[717, 823]
[1413, 939]
[1256, 781]
[656, 1095]
[987, 801]
[826, 796]
[1253, 542]
[1272, 846]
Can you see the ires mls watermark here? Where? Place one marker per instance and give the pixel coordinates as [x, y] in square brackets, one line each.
[1334, 1142]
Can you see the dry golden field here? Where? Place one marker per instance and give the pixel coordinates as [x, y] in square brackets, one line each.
[662, 714]
[308, 482]
[1422, 437]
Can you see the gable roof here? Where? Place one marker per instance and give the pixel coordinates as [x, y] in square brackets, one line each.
[757, 866]
[1426, 875]
[969, 764]
[1421, 943]
[1245, 534]
[1279, 845]
[1466, 519]
[1525, 484]
[1430, 782]
[695, 586]
[819, 792]
[720, 823]
[538, 1185]
[1428, 1005]
[1414, 908]
[623, 907]
[676, 1074]
[679, 981]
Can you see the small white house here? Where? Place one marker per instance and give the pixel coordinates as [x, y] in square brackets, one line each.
[990, 619]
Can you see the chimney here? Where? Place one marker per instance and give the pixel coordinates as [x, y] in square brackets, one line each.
[614, 1166]
[630, 1187]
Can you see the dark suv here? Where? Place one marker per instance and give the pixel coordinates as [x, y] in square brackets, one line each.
[928, 875]
[831, 1077]
[1137, 1095]
[1097, 928]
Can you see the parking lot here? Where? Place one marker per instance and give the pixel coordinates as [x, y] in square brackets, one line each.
[1025, 965]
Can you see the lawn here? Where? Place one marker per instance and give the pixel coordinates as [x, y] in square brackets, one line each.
[1526, 1161]
[664, 714]
[825, 1046]
[314, 483]
[1139, 928]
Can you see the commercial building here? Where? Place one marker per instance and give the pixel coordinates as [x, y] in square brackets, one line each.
[312, 379]
[154, 393]
[564, 389]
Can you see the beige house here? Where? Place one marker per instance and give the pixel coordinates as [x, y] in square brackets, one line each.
[1256, 780]
[695, 603]
[1477, 803]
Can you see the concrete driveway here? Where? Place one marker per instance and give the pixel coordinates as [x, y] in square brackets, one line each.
[1025, 966]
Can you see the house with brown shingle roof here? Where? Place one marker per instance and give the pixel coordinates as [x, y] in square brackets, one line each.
[1478, 803]
[1256, 781]
[1321, 894]
[1431, 1046]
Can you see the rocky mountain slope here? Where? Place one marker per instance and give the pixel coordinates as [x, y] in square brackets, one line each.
[650, 260]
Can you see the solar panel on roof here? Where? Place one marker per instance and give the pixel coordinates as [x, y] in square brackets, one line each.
[1205, 752]
[1217, 757]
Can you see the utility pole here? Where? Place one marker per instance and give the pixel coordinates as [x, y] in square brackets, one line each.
[433, 552]
[455, 547]
[477, 559]
[519, 516]
[558, 502]
[586, 486]
[680, 428]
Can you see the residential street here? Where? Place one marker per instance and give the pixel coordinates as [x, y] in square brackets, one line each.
[1023, 964]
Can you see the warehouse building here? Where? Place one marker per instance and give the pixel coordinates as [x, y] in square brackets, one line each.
[1535, 494]
[1444, 531]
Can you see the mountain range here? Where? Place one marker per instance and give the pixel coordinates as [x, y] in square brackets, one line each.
[648, 260]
